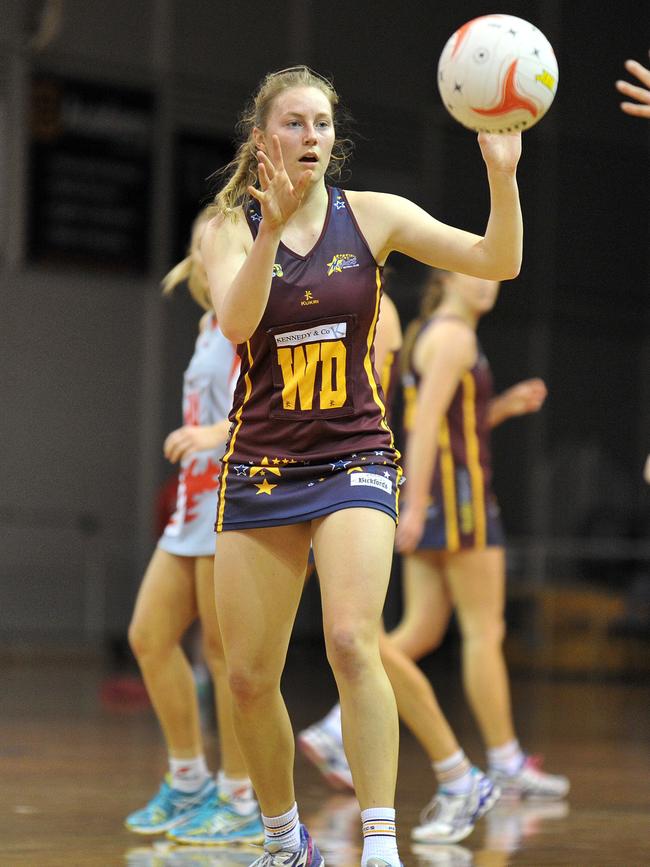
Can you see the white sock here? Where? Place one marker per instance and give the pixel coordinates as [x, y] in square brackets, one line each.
[332, 724]
[454, 774]
[238, 792]
[508, 758]
[282, 832]
[379, 835]
[188, 775]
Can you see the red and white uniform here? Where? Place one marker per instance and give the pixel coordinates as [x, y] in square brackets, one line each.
[208, 386]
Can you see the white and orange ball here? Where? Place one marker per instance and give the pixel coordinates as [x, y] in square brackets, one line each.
[497, 73]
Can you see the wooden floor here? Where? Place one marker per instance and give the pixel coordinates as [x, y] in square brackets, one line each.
[72, 766]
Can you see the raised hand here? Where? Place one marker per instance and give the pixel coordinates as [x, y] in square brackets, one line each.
[501, 151]
[640, 108]
[278, 196]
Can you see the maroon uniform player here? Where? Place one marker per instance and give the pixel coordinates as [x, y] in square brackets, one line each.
[308, 414]
[451, 531]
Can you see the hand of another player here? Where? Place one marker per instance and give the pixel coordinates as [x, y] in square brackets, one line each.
[524, 397]
[501, 151]
[640, 108]
[277, 195]
[409, 530]
[189, 439]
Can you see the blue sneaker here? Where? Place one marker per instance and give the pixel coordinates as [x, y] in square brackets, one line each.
[307, 856]
[169, 807]
[218, 824]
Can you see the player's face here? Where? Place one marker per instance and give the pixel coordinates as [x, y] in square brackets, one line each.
[478, 294]
[301, 117]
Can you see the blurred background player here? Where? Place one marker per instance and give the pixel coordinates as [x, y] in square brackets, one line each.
[177, 588]
[450, 532]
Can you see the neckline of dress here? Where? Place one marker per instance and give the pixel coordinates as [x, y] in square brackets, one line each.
[310, 252]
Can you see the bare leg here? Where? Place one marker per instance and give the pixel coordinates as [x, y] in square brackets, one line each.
[165, 607]
[259, 577]
[417, 703]
[353, 552]
[477, 583]
[232, 761]
[427, 605]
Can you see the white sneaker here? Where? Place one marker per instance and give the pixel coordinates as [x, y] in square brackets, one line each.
[450, 818]
[327, 754]
[531, 782]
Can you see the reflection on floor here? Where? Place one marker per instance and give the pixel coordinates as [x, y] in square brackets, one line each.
[73, 766]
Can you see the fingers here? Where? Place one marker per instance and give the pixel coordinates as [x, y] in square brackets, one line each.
[263, 176]
[635, 109]
[633, 91]
[303, 183]
[178, 444]
[263, 162]
[639, 71]
[255, 193]
[277, 153]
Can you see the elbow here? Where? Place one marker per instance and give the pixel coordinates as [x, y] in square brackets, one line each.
[233, 332]
[512, 272]
[507, 271]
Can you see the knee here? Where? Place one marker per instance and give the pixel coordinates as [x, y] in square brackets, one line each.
[348, 651]
[249, 687]
[484, 633]
[145, 643]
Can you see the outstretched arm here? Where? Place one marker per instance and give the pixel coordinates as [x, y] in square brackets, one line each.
[393, 223]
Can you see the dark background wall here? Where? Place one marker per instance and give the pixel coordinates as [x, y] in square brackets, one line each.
[92, 359]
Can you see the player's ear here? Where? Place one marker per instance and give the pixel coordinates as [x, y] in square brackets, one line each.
[259, 139]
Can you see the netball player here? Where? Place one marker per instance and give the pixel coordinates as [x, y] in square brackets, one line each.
[294, 267]
[177, 588]
[450, 531]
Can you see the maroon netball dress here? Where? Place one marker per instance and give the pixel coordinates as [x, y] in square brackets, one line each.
[463, 511]
[309, 434]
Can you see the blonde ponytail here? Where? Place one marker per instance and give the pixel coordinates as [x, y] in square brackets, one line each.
[190, 270]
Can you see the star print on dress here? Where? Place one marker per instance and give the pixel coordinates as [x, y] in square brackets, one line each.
[340, 465]
[241, 469]
[265, 488]
[264, 468]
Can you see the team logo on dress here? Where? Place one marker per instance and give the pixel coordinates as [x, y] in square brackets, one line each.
[341, 261]
[277, 270]
[309, 299]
